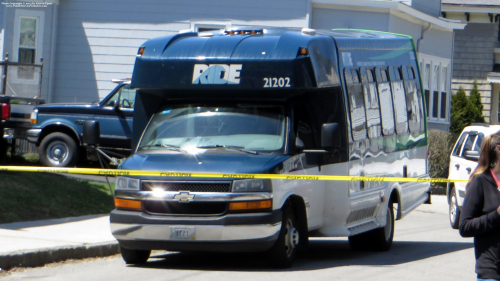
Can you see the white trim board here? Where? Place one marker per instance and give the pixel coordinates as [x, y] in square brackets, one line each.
[395, 8]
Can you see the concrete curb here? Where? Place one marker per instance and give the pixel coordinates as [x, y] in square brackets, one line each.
[32, 258]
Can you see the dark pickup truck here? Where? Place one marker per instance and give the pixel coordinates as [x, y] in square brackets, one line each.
[57, 128]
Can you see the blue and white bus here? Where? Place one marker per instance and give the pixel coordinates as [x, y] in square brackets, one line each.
[271, 101]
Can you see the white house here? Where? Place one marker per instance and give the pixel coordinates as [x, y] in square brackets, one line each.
[86, 43]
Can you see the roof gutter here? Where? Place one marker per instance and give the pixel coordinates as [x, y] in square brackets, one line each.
[422, 35]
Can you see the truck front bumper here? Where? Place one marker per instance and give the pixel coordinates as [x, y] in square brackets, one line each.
[32, 135]
[232, 232]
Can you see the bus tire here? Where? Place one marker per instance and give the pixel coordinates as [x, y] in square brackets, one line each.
[135, 256]
[382, 237]
[282, 254]
[58, 150]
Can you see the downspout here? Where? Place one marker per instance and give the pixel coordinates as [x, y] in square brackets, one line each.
[50, 94]
[422, 36]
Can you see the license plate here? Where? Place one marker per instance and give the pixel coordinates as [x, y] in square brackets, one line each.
[183, 233]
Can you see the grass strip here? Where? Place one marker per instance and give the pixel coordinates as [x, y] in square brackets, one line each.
[38, 196]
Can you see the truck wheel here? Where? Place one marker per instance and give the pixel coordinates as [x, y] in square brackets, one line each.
[283, 252]
[379, 239]
[454, 210]
[58, 150]
[135, 256]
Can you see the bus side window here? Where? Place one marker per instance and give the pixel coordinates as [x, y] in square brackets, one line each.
[399, 99]
[385, 98]
[371, 103]
[356, 104]
[413, 99]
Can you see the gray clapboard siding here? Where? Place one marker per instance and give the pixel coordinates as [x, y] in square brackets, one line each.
[102, 37]
[330, 18]
[431, 7]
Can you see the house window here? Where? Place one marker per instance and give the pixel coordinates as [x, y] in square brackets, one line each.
[28, 36]
[436, 87]
[27, 40]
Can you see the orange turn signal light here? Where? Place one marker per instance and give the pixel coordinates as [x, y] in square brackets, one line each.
[250, 205]
[141, 51]
[128, 204]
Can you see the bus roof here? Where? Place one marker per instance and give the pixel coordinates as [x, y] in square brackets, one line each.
[243, 58]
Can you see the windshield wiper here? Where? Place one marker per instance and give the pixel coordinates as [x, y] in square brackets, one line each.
[167, 146]
[228, 147]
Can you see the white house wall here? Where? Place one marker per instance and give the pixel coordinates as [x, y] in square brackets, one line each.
[323, 18]
[96, 44]
[436, 42]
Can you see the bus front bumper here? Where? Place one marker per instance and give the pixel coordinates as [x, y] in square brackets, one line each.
[230, 233]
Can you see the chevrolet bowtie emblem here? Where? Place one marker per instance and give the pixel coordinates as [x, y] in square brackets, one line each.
[184, 197]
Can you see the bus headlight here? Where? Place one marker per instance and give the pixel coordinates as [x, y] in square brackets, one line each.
[125, 183]
[254, 185]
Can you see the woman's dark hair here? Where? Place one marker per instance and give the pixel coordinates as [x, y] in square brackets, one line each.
[488, 157]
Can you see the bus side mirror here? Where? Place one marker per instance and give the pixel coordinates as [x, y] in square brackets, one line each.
[91, 133]
[330, 135]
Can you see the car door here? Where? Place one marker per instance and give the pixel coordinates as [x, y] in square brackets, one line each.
[115, 116]
[460, 167]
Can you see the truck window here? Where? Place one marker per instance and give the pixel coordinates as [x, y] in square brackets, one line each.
[385, 98]
[127, 97]
[371, 103]
[356, 104]
[399, 99]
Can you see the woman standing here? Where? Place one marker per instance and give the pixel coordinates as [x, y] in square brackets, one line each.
[480, 216]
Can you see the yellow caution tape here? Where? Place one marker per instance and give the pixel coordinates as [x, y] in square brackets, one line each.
[114, 172]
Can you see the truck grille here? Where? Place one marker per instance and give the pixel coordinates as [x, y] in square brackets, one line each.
[186, 186]
[192, 208]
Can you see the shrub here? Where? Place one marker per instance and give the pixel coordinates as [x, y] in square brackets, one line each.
[440, 146]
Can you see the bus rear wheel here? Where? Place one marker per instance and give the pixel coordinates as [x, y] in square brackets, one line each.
[379, 239]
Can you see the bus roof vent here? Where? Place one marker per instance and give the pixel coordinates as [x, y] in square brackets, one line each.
[309, 31]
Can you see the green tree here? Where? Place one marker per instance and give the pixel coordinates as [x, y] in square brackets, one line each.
[475, 98]
[465, 110]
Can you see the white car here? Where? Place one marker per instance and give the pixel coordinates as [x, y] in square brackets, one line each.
[463, 161]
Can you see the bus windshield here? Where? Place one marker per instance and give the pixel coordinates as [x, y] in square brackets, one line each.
[196, 127]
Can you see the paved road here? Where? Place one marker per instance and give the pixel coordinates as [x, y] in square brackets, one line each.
[425, 248]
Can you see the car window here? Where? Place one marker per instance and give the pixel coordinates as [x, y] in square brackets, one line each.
[469, 143]
[479, 141]
[460, 143]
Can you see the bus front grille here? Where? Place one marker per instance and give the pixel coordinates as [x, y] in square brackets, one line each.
[186, 186]
[192, 208]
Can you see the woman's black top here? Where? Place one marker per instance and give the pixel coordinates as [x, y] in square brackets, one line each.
[479, 219]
